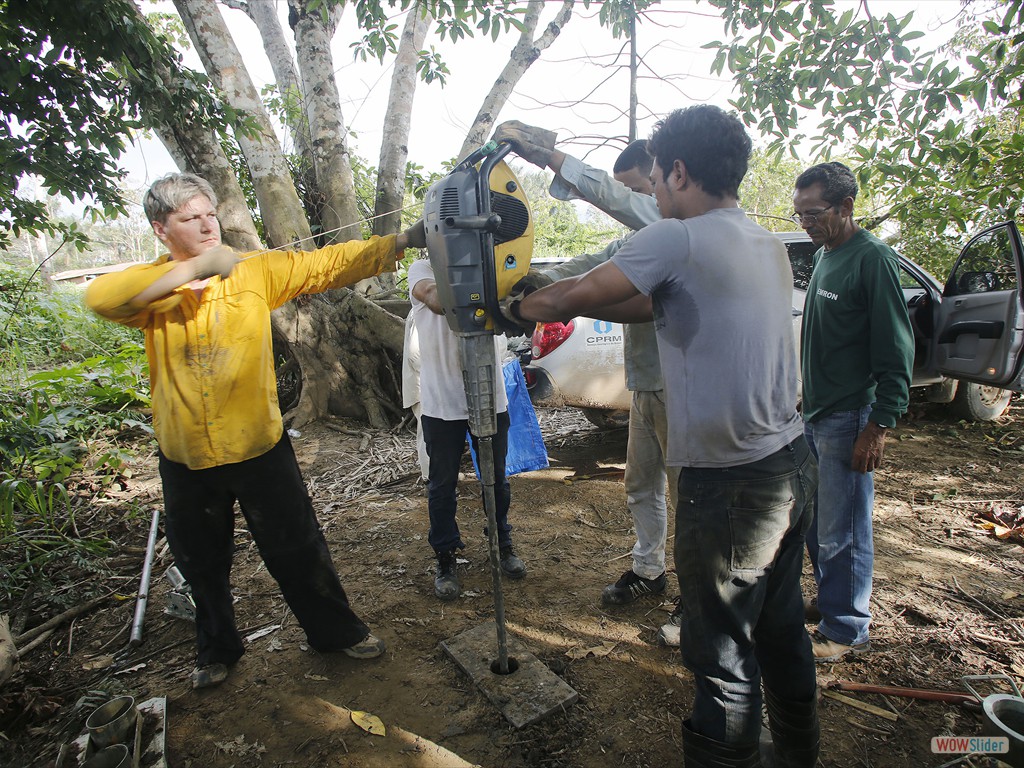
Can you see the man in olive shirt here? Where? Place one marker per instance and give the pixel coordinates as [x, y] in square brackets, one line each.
[205, 313]
[857, 354]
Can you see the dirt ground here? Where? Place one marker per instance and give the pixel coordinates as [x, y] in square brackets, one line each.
[949, 601]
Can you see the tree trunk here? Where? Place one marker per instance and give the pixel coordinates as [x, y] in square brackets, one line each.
[526, 51]
[349, 351]
[333, 171]
[394, 149]
[284, 220]
[264, 15]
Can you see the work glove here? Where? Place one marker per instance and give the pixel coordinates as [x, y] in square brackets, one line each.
[416, 236]
[216, 261]
[534, 280]
[510, 311]
[533, 144]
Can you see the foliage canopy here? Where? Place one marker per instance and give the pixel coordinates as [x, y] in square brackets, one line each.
[931, 135]
[75, 80]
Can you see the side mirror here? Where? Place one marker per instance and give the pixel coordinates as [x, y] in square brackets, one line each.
[977, 282]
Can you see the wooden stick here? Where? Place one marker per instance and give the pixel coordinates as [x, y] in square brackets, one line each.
[59, 619]
[868, 728]
[891, 716]
[954, 697]
[35, 643]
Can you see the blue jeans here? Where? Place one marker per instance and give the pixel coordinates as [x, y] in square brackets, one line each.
[446, 444]
[739, 552]
[840, 543]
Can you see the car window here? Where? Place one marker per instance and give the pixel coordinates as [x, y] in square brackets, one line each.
[987, 264]
[801, 257]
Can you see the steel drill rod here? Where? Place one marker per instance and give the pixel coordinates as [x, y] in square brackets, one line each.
[147, 569]
[485, 453]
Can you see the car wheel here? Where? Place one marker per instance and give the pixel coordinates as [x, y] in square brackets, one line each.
[605, 419]
[976, 402]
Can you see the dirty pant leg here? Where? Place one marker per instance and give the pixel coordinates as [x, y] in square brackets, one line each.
[645, 481]
[738, 551]
[840, 542]
[281, 518]
[502, 489]
[446, 443]
[199, 520]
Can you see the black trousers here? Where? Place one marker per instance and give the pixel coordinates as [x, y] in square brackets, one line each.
[200, 521]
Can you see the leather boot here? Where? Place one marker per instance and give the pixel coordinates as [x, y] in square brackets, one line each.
[702, 752]
[795, 731]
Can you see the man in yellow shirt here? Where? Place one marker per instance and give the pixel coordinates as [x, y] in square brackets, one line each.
[205, 312]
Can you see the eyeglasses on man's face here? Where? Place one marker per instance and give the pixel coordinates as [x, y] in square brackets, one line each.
[809, 216]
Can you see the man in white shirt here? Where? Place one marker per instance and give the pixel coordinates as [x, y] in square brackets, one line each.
[444, 419]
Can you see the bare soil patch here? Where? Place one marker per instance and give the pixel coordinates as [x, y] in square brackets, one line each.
[948, 602]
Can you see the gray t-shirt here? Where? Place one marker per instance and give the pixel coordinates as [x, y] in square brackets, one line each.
[722, 291]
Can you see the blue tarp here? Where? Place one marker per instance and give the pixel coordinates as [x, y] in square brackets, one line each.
[526, 451]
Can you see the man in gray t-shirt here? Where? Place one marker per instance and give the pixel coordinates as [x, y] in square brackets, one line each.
[719, 289]
[627, 197]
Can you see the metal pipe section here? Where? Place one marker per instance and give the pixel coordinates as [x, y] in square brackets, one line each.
[485, 455]
[147, 569]
[481, 377]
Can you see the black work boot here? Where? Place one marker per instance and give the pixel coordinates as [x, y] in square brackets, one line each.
[631, 587]
[446, 583]
[702, 752]
[796, 733]
[511, 564]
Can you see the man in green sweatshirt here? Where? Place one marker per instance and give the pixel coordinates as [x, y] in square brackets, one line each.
[857, 353]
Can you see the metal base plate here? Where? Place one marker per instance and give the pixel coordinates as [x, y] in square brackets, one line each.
[525, 696]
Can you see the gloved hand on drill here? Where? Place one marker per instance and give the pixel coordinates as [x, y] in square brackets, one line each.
[533, 281]
[510, 311]
[531, 143]
[413, 237]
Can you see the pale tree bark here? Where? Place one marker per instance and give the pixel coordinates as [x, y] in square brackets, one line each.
[342, 351]
[332, 167]
[394, 148]
[526, 51]
[284, 220]
[264, 15]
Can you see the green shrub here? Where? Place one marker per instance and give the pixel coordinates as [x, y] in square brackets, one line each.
[73, 395]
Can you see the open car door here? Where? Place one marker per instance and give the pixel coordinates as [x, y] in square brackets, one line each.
[979, 332]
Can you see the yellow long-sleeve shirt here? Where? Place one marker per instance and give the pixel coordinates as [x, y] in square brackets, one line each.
[211, 363]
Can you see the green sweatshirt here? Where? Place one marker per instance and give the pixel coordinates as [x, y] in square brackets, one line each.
[857, 346]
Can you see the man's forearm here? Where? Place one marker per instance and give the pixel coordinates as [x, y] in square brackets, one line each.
[584, 295]
[635, 310]
[182, 274]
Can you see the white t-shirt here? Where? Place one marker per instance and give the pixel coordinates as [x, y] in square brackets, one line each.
[442, 392]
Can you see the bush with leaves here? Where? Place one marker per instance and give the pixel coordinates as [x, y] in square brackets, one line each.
[72, 402]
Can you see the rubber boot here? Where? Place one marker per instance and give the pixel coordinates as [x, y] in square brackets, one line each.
[795, 731]
[702, 752]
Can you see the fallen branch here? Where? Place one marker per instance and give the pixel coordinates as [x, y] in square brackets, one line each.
[989, 610]
[868, 728]
[953, 697]
[891, 716]
[59, 619]
[36, 643]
